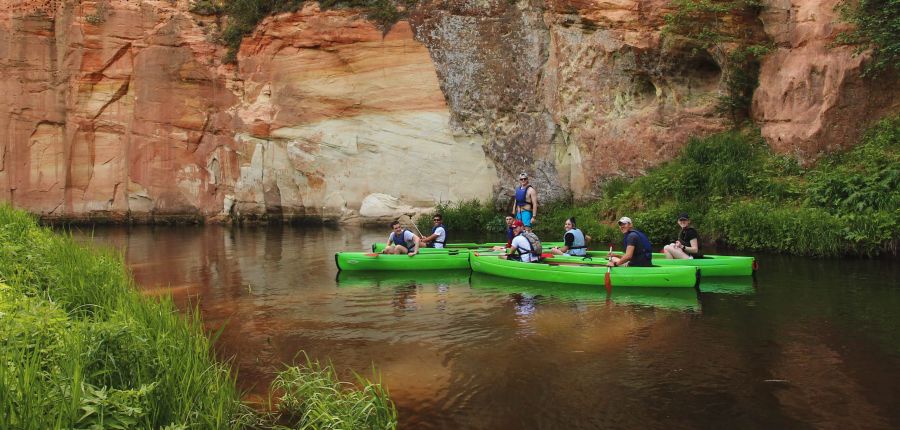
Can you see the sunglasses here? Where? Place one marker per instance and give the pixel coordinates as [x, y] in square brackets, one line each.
[436, 219]
[523, 179]
[621, 223]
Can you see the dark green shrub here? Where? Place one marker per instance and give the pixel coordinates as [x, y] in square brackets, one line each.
[877, 27]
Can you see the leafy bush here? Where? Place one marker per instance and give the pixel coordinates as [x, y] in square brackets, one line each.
[877, 27]
[466, 216]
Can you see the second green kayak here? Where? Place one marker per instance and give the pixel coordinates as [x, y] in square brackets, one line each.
[422, 261]
[585, 274]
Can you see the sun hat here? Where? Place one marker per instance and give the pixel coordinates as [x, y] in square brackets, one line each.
[624, 220]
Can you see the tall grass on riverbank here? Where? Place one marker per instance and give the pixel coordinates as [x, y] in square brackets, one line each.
[741, 194]
[81, 348]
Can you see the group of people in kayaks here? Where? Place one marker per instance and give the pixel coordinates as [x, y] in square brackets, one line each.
[522, 244]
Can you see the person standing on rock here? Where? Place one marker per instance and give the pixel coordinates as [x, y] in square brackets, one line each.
[526, 204]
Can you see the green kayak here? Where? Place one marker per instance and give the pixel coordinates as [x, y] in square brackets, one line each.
[710, 266]
[585, 274]
[668, 298]
[422, 261]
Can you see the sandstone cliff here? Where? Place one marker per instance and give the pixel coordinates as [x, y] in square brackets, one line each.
[118, 109]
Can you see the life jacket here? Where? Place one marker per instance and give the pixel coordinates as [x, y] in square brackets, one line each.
[643, 256]
[578, 247]
[521, 194]
[442, 242]
[509, 236]
[534, 243]
[402, 241]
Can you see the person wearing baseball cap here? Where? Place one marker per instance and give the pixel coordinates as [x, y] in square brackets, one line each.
[637, 247]
[525, 245]
[688, 243]
[526, 203]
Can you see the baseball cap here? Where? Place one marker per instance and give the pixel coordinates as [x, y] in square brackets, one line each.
[624, 220]
[523, 175]
[518, 223]
[683, 215]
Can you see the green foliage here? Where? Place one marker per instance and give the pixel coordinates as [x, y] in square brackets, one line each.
[315, 399]
[470, 215]
[709, 25]
[90, 351]
[877, 27]
[81, 348]
[207, 7]
[739, 193]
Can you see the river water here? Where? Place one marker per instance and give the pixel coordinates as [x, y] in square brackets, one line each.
[808, 343]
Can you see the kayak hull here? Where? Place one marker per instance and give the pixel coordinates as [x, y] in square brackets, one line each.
[355, 261]
[672, 276]
[711, 266]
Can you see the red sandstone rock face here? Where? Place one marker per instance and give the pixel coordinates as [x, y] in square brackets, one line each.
[811, 98]
[121, 108]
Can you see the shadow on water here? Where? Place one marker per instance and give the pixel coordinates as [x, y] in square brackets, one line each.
[807, 344]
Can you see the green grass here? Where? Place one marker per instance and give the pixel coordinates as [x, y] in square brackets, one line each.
[740, 194]
[81, 348]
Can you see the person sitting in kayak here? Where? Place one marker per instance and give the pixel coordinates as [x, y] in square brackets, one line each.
[688, 243]
[438, 237]
[509, 234]
[526, 203]
[525, 245]
[574, 241]
[401, 241]
[637, 247]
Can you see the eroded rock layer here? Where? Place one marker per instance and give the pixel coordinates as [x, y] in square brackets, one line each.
[123, 109]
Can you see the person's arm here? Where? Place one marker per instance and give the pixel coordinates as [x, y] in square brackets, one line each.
[693, 248]
[427, 239]
[416, 245]
[568, 241]
[534, 202]
[629, 252]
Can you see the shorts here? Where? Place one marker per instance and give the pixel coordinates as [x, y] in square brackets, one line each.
[525, 217]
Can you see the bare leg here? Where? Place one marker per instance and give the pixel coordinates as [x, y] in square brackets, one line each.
[678, 254]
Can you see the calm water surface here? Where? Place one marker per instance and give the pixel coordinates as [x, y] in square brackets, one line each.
[807, 344]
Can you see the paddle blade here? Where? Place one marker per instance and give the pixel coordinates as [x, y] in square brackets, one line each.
[607, 282]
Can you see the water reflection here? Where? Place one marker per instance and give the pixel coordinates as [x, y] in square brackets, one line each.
[810, 343]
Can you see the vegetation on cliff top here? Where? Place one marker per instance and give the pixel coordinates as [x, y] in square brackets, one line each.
[876, 27]
[740, 194]
[725, 29]
[81, 348]
[244, 15]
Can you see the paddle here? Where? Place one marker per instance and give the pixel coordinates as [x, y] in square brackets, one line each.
[607, 281]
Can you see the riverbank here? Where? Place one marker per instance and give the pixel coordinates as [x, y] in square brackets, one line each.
[741, 195]
[88, 350]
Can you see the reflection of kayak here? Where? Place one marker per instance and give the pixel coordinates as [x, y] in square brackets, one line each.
[570, 273]
[669, 298]
[710, 265]
[423, 261]
[401, 278]
[727, 285]
[379, 246]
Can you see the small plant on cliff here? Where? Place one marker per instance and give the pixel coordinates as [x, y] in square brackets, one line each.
[101, 10]
[724, 29]
[244, 15]
[877, 27]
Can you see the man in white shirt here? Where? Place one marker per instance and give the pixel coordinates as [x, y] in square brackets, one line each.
[521, 246]
[401, 241]
[438, 237]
